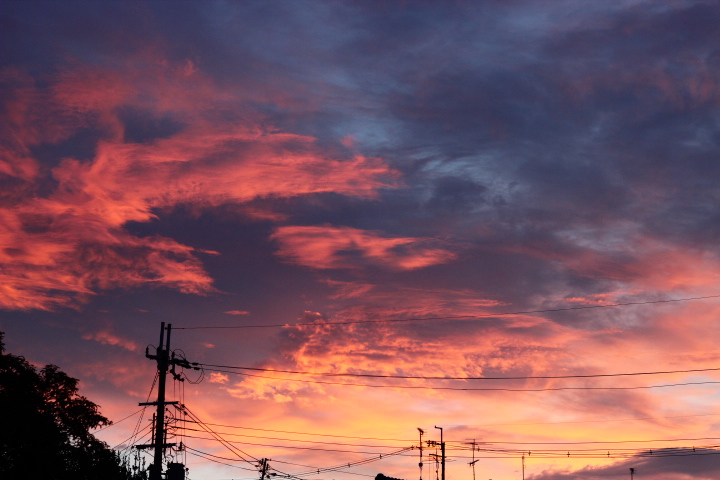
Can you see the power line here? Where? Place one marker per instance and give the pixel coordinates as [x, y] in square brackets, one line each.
[463, 389]
[579, 421]
[375, 456]
[115, 423]
[461, 446]
[135, 436]
[313, 469]
[291, 439]
[304, 433]
[625, 419]
[343, 466]
[136, 431]
[205, 455]
[612, 453]
[226, 443]
[291, 447]
[419, 377]
[217, 437]
[316, 468]
[606, 442]
[453, 317]
[597, 454]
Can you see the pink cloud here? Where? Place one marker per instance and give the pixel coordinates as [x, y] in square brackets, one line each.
[216, 377]
[326, 247]
[71, 242]
[108, 338]
[237, 312]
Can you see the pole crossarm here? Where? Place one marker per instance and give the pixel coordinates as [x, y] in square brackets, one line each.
[153, 445]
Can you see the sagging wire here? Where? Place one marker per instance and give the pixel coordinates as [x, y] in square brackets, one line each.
[461, 389]
[115, 423]
[242, 455]
[295, 440]
[136, 431]
[202, 454]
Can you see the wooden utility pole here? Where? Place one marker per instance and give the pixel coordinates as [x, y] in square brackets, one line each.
[159, 439]
[472, 464]
[162, 356]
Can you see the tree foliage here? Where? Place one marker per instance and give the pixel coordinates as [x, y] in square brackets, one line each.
[45, 426]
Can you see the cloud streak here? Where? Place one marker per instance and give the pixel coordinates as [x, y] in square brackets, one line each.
[325, 247]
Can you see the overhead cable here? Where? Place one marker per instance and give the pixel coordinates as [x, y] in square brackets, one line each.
[430, 377]
[452, 317]
[469, 389]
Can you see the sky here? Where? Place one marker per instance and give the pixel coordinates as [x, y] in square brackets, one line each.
[503, 172]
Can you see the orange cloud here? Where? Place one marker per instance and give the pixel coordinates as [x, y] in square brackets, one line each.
[108, 338]
[326, 247]
[62, 246]
[216, 377]
[520, 345]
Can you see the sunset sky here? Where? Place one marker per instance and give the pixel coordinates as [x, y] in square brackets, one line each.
[266, 164]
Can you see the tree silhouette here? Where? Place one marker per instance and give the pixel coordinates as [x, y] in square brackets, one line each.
[45, 426]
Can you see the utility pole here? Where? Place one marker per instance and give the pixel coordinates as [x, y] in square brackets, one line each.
[632, 473]
[263, 468]
[162, 356]
[442, 451]
[523, 466]
[472, 464]
[420, 464]
[159, 437]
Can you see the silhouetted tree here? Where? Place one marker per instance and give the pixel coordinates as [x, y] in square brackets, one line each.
[45, 426]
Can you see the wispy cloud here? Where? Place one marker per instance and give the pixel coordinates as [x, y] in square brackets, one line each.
[326, 247]
[72, 241]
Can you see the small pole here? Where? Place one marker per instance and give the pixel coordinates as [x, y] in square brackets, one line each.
[442, 451]
[263, 468]
[473, 458]
[420, 464]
